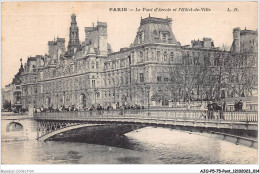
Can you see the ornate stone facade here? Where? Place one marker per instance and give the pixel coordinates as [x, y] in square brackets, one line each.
[12, 92]
[156, 65]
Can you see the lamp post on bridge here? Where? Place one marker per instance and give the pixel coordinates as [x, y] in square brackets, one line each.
[130, 77]
[148, 91]
[96, 92]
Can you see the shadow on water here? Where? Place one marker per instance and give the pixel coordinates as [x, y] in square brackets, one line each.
[109, 135]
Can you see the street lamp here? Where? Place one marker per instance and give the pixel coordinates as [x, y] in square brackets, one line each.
[130, 76]
[96, 92]
[148, 90]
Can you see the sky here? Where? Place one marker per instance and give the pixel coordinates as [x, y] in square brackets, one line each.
[28, 26]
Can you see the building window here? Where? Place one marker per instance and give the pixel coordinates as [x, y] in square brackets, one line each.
[172, 56]
[237, 78]
[166, 79]
[232, 79]
[97, 65]
[54, 73]
[165, 56]
[132, 58]
[196, 61]
[141, 56]
[140, 38]
[93, 84]
[158, 55]
[164, 38]
[172, 78]
[141, 77]
[113, 65]
[159, 79]
[92, 65]
[206, 61]
[122, 80]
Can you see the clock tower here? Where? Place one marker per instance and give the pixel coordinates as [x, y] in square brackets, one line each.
[74, 35]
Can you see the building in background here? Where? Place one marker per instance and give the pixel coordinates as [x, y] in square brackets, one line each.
[11, 94]
[156, 68]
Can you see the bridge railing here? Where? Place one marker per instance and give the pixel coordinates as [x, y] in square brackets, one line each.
[195, 115]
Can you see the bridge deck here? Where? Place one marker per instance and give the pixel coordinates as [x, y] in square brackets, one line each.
[194, 118]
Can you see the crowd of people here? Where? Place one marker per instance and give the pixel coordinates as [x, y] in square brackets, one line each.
[238, 106]
[211, 110]
[216, 107]
[98, 108]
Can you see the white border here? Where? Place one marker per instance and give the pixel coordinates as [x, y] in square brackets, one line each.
[163, 168]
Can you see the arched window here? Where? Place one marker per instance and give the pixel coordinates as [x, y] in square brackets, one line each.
[141, 56]
[165, 56]
[158, 55]
[54, 73]
[92, 65]
[147, 54]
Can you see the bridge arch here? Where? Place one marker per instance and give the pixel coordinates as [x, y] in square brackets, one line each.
[14, 126]
[49, 132]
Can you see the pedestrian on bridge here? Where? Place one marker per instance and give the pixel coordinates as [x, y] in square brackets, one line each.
[210, 110]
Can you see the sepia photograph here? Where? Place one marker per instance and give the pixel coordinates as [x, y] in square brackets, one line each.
[129, 82]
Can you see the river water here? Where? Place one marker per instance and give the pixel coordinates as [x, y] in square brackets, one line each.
[147, 145]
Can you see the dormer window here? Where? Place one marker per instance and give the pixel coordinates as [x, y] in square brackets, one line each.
[140, 37]
[172, 56]
[164, 38]
[154, 32]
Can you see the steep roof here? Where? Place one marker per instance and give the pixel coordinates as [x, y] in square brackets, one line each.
[151, 30]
